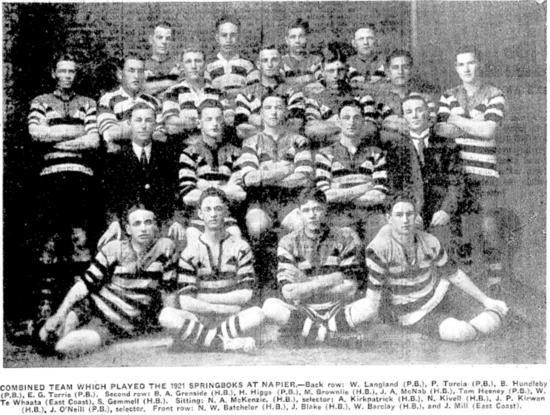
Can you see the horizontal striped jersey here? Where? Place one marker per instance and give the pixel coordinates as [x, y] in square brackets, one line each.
[304, 70]
[201, 162]
[57, 109]
[337, 168]
[181, 99]
[321, 103]
[372, 70]
[487, 104]
[301, 258]
[125, 288]
[412, 286]
[200, 273]
[116, 106]
[262, 149]
[388, 102]
[161, 71]
[229, 75]
[250, 100]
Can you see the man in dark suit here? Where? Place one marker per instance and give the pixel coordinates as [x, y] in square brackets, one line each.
[428, 167]
[143, 173]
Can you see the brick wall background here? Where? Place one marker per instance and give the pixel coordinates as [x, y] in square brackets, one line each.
[513, 35]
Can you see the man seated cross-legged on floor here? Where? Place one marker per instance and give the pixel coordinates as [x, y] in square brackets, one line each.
[413, 283]
[215, 287]
[121, 294]
[318, 270]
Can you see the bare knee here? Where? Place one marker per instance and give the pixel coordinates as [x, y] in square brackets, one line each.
[454, 330]
[257, 222]
[173, 318]
[276, 311]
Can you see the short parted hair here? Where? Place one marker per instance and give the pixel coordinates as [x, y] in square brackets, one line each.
[273, 95]
[142, 106]
[399, 197]
[228, 19]
[68, 57]
[333, 53]
[299, 23]
[414, 97]
[350, 103]
[129, 56]
[312, 193]
[369, 26]
[209, 103]
[193, 48]
[468, 49]
[164, 24]
[135, 208]
[213, 192]
[399, 53]
[269, 46]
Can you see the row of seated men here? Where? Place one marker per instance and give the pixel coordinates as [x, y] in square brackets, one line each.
[262, 143]
[205, 296]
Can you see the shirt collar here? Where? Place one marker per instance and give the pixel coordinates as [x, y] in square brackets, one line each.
[423, 135]
[64, 97]
[123, 92]
[138, 149]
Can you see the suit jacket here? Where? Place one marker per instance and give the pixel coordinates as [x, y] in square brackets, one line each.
[128, 185]
[438, 184]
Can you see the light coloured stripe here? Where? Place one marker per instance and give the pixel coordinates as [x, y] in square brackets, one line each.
[375, 267]
[407, 282]
[66, 167]
[130, 269]
[59, 154]
[480, 171]
[232, 326]
[416, 315]
[218, 284]
[340, 181]
[484, 158]
[126, 283]
[307, 327]
[125, 307]
[413, 296]
[401, 268]
[108, 311]
[475, 142]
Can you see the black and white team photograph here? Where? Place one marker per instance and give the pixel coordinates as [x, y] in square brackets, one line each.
[274, 184]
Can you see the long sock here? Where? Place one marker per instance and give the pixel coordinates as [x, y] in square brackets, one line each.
[193, 333]
[231, 327]
[340, 322]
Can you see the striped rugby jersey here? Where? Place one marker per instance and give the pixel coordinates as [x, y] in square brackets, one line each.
[229, 75]
[125, 288]
[321, 103]
[261, 148]
[250, 100]
[310, 65]
[117, 106]
[161, 71]
[367, 68]
[200, 162]
[388, 102]
[487, 104]
[181, 99]
[413, 286]
[200, 273]
[301, 258]
[56, 109]
[336, 168]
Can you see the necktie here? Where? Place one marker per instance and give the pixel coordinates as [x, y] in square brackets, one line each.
[421, 150]
[143, 159]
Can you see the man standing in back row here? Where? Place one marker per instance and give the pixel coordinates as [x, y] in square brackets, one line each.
[471, 114]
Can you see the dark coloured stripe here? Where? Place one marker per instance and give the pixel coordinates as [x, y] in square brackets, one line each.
[65, 121]
[162, 78]
[238, 70]
[478, 150]
[216, 73]
[214, 176]
[398, 290]
[402, 309]
[472, 163]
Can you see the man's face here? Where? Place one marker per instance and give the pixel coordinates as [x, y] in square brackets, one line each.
[211, 122]
[296, 40]
[142, 124]
[193, 65]
[351, 121]
[273, 111]
[313, 214]
[65, 74]
[335, 73]
[269, 62]
[364, 42]
[400, 71]
[132, 75]
[142, 227]
[415, 112]
[467, 67]
[401, 219]
[227, 37]
[161, 40]
[213, 212]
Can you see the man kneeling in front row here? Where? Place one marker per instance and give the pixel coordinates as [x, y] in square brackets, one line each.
[318, 270]
[120, 295]
[215, 286]
[414, 284]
